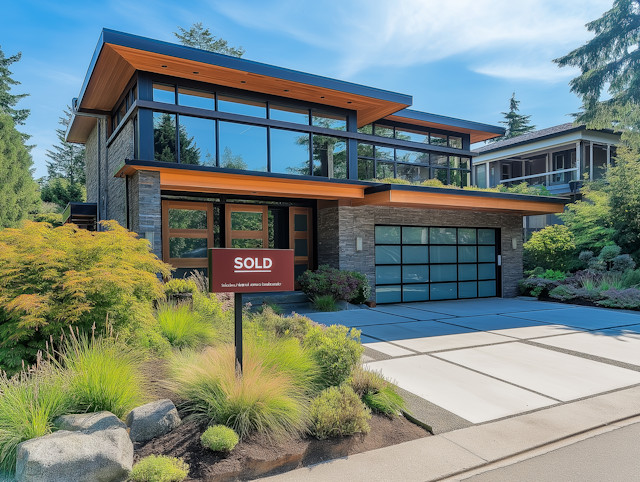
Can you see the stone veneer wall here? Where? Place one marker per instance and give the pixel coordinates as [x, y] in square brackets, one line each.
[145, 212]
[338, 228]
[120, 149]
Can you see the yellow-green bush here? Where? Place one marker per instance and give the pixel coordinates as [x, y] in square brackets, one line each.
[376, 391]
[338, 412]
[337, 351]
[159, 468]
[219, 438]
[51, 278]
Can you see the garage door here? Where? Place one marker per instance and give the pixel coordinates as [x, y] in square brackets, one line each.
[416, 263]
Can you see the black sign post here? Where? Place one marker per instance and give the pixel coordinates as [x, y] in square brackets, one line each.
[238, 330]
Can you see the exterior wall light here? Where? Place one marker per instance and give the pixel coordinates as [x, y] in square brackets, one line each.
[358, 243]
[514, 243]
[148, 235]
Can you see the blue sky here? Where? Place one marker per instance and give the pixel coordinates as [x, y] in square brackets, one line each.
[461, 58]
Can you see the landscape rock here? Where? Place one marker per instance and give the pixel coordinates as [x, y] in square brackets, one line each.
[89, 422]
[64, 456]
[152, 420]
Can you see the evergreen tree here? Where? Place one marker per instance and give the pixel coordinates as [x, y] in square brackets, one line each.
[18, 190]
[164, 140]
[201, 38]
[8, 100]
[66, 159]
[610, 59]
[516, 124]
[61, 191]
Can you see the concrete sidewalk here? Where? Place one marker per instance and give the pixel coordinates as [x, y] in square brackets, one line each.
[435, 458]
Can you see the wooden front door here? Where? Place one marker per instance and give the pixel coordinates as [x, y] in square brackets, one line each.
[246, 226]
[301, 239]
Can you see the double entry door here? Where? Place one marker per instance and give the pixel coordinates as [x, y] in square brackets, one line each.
[190, 228]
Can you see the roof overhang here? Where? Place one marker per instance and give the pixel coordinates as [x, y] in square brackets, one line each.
[118, 55]
[478, 132]
[399, 195]
[212, 180]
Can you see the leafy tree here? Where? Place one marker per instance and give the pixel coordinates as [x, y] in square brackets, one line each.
[516, 124]
[8, 100]
[18, 190]
[66, 159]
[199, 37]
[232, 161]
[611, 59]
[624, 200]
[550, 248]
[61, 191]
[53, 278]
[590, 218]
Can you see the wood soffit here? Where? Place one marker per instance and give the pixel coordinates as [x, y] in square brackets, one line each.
[117, 64]
[344, 193]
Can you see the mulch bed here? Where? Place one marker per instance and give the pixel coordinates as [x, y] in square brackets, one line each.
[256, 457]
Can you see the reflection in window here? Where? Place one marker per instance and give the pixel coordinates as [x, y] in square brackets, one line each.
[187, 219]
[288, 114]
[246, 221]
[329, 157]
[197, 141]
[366, 170]
[164, 137]
[383, 131]
[412, 156]
[412, 173]
[246, 243]
[455, 142]
[438, 139]
[440, 175]
[460, 178]
[368, 129]
[289, 152]
[164, 93]
[187, 247]
[196, 98]
[412, 135]
[385, 153]
[438, 160]
[329, 120]
[242, 106]
[365, 150]
[243, 146]
[384, 170]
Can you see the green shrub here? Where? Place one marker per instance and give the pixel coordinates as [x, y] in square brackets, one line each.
[159, 468]
[624, 299]
[338, 412]
[563, 292]
[343, 285]
[149, 337]
[183, 327]
[537, 286]
[554, 275]
[274, 307]
[377, 392]
[271, 396]
[51, 278]
[551, 247]
[325, 303]
[104, 374]
[622, 263]
[294, 325]
[178, 285]
[609, 253]
[219, 438]
[631, 278]
[28, 405]
[337, 350]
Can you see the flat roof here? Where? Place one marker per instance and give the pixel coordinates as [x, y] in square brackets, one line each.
[118, 55]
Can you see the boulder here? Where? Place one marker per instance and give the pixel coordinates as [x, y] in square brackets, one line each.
[63, 456]
[88, 422]
[152, 420]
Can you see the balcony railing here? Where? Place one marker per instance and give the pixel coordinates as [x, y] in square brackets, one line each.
[561, 176]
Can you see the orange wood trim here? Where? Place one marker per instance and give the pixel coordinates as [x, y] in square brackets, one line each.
[188, 262]
[165, 230]
[189, 233]
[198, 206]
[246, 234]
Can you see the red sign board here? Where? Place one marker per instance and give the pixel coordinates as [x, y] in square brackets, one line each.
[250, 270]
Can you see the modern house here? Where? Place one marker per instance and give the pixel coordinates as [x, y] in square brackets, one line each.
[558, 158]
[193, 149]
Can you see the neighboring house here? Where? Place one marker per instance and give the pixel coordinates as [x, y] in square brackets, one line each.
[193, 149]
[558, 158]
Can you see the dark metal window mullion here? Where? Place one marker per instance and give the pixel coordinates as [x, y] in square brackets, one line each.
[177, 138]
[310, 150]
[268, 149]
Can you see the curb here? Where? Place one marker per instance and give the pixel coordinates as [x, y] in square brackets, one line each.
[452, 453]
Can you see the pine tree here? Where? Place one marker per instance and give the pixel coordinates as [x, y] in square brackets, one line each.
[8, 100]
[66, 159]
[611, 60]
[164, 139]
[201, 38]
[516, 124]
[18, 190]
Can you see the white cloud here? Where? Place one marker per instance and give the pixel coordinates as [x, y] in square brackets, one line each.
[545, 72]
[401, 33]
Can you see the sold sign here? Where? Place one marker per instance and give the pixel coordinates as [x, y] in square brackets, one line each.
[250, 270]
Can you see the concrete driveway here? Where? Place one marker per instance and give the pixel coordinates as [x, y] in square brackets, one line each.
[474, 361]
